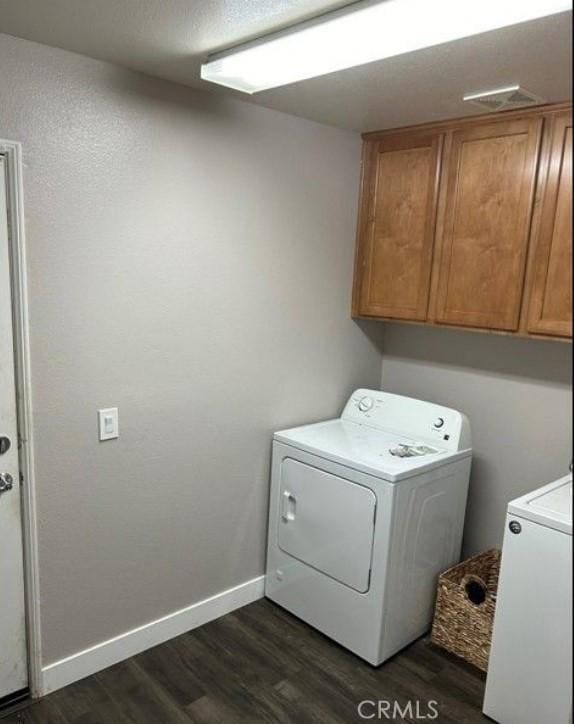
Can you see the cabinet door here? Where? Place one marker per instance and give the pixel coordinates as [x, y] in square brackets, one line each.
[489, 196]
[550, 309]
[400, 233]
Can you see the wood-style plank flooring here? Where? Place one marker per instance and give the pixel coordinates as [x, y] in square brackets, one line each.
[260, 664]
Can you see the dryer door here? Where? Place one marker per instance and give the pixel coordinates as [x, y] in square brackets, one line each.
[327, 522]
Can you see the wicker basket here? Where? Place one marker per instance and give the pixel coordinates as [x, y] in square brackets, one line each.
[464, 611]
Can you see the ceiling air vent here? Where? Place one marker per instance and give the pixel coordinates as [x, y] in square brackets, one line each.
[503, 99]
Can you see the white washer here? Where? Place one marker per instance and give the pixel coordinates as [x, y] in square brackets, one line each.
[357, 533]
[530, 668]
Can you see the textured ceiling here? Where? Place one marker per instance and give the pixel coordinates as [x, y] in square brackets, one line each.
[170, 38]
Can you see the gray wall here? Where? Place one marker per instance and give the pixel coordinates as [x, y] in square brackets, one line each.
[517, 394]
[190, 261]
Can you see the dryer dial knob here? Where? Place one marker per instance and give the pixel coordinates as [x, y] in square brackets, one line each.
[365, 404]
[439, 422]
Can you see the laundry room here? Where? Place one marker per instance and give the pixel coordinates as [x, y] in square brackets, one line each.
[286, 361]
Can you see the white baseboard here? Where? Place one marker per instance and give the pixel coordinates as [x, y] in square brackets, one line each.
[98, 657]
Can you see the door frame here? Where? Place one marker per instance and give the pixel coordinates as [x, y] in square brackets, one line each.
[12, 153]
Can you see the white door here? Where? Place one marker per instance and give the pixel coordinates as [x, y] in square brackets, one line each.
[13, 667]
[327, 522]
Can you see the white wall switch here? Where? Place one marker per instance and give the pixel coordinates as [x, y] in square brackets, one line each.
[108, 423]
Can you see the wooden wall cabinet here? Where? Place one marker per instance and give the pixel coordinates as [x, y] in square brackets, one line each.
[550, 310]
[468, 224]
[489, 194]
[399, 237]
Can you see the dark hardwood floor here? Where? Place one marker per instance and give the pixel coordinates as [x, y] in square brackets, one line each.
[260, 664]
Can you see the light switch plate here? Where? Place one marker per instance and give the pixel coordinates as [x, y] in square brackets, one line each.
[108, 423]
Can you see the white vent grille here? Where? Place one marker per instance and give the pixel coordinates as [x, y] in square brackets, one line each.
[503, 99]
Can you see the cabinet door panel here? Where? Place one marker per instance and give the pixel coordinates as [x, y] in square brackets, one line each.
[550, 309]
[490, 184]
[400, 233]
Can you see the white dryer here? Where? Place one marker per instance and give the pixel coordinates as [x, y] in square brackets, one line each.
[365, 511]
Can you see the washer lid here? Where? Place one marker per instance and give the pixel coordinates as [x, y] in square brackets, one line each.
[550, 505]
[367, 449]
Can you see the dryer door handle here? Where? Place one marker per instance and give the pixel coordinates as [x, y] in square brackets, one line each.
[288, 506]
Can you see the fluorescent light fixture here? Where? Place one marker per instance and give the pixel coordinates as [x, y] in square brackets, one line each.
[361, 33]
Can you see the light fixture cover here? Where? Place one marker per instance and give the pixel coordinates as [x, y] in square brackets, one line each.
[362, 33]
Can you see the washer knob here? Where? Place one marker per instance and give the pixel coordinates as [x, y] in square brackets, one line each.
[365, 404]
[439, 422]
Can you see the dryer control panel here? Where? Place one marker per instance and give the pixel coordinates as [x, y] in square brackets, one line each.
[417, 419]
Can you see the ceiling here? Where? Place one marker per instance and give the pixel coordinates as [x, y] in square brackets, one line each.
[170, 38]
